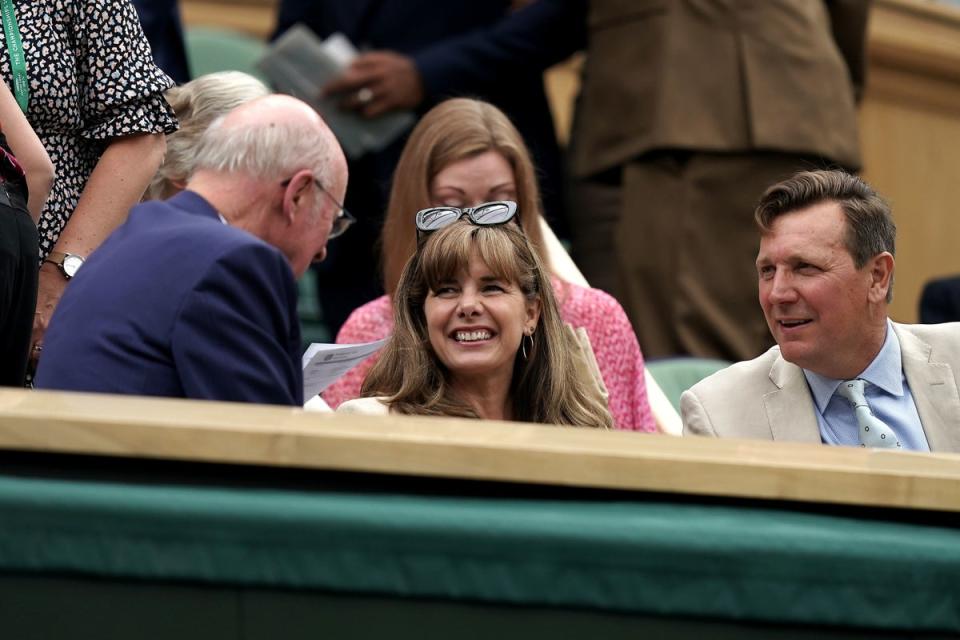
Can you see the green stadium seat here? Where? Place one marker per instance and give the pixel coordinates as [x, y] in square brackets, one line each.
[216, 49]
[312, 327]
[676, 375]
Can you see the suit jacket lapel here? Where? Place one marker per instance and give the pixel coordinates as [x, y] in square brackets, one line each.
[790, 408]
[934, 390]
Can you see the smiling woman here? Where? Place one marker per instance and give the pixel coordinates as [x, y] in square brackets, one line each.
[475, 321]
[464, 153]
[478, 334]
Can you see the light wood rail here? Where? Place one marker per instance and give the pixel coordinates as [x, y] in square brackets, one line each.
[46, 421]
[253, 17]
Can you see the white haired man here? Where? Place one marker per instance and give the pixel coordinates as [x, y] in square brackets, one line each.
[196, 296]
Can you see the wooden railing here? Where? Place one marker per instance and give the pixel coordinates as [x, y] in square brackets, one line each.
[194, 431]
[910, 135]
[255, 17]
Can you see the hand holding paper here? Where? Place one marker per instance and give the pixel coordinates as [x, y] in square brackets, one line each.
[300, 64]
[376, 82]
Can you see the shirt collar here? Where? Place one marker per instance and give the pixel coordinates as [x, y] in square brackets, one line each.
[886, 372]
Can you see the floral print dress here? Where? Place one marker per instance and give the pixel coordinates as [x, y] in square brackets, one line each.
[92, 78]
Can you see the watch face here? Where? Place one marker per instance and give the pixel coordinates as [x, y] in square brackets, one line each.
[72, 264]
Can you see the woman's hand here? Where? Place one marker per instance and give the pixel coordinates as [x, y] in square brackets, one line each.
[116, 184]
[49, 290]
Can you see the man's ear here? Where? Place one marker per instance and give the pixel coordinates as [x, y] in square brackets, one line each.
[881, 276]
[296, 190]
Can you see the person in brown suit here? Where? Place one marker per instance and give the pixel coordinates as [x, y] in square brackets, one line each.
[688, 110]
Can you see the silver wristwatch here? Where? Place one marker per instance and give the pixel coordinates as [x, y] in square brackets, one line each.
[69, 263]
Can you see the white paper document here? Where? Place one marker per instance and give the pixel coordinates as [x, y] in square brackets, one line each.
[324, 364]
[300, 64]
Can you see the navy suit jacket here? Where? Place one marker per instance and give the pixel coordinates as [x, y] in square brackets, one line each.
[175, 303]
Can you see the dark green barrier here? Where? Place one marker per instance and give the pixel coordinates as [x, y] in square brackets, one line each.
[629, 564]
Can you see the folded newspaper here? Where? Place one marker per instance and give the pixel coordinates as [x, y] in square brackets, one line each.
[300, 64]
[324, 364]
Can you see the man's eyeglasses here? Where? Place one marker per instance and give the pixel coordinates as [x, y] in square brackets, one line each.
[483, 215]
[341, 221]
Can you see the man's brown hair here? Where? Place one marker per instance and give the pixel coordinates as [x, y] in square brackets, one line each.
[870, 227]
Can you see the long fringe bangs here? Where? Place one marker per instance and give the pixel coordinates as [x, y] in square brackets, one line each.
[502, 248]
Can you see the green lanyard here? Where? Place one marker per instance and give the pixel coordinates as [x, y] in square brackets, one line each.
[21, 85]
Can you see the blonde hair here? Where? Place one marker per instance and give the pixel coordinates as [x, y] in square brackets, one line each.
[197, 104]
[543, 388]
[453, 130]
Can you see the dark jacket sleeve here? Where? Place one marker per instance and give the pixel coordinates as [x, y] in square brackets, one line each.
[848, 19]
[161, 23]
[526, 41]
[290, 12]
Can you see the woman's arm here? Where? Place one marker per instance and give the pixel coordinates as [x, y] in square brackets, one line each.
[28, 149]
[116, 184]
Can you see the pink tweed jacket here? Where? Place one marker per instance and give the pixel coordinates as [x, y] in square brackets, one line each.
[614, 345]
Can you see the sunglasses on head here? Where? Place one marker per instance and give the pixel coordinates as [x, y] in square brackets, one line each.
[483, 215]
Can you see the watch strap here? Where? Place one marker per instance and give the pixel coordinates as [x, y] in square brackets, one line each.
[59, 258]
[56, 257]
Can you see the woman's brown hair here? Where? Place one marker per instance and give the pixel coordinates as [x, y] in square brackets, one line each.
[412, 378]
[453, 130]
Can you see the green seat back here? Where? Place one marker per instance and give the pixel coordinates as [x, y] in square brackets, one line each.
[676, 375]
[217, 49]
[312, 327]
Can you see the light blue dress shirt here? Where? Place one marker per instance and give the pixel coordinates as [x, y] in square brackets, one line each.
[887, 393]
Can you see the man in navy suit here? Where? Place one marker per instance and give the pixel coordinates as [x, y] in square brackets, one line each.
[196, 296]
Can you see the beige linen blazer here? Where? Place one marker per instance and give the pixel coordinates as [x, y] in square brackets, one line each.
[767, 398]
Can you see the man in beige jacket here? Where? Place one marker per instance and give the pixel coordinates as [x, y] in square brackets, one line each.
[825, 271]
